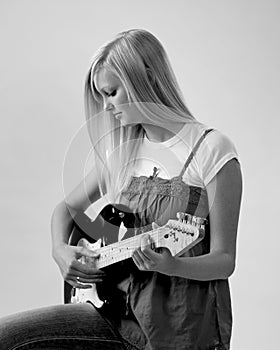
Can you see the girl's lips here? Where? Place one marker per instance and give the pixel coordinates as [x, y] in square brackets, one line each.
[117, 115]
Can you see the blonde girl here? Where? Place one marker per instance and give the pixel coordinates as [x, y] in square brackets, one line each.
[152, 156]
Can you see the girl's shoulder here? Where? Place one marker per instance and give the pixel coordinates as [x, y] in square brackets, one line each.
[215, 150]
[214, 141]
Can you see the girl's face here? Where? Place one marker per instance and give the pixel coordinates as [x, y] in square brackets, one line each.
[114, 97]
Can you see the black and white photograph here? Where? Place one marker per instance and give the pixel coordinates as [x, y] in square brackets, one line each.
[139, 166]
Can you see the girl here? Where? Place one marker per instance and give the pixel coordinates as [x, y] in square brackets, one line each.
[154, 157]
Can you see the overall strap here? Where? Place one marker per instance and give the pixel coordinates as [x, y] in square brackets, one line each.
[191, 155]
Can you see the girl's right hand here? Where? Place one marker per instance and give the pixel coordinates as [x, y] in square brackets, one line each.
[76, 273]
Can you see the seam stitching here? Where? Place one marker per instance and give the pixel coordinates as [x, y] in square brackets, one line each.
[39, 340]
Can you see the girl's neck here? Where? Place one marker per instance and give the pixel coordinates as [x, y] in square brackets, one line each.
[157, 133]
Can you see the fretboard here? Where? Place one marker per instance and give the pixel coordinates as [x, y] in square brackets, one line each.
[123, 250]
[176, 236]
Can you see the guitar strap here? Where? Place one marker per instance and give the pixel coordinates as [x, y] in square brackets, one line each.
[191, 155]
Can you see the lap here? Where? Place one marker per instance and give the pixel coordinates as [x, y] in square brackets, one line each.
[68, 326]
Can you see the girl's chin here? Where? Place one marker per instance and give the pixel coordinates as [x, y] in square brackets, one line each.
[127, 122]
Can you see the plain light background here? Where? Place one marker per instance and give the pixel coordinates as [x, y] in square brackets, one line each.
[226, 57]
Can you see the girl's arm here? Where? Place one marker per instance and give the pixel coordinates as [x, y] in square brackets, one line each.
[79, 199]
[67, 256]
[224, 196]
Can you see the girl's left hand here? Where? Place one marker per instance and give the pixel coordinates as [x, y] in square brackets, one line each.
[146, 259]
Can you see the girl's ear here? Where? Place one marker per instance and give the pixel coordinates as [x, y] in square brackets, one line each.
[150, 75]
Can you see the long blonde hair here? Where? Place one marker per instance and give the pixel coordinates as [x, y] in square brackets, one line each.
[140, 62]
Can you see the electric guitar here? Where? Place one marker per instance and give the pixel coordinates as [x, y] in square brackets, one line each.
[103, 236]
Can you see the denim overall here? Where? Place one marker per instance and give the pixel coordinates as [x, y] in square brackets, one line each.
[163, 312]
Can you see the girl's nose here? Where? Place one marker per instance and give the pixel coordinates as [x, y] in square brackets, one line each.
[108, 107]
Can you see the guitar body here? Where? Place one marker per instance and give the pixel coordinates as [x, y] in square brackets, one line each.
[112, 235]
[104, 230]
[89, 294]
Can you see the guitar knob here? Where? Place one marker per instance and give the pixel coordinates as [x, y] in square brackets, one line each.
[201, 221]
[180, 216]
[188, 218]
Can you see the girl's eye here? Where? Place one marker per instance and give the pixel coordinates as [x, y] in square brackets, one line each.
[113, 93]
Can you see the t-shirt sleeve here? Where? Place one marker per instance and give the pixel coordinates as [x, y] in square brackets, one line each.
[213, 153]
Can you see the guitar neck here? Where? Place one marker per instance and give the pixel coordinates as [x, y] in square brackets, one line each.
[176, 236]
[123, 250]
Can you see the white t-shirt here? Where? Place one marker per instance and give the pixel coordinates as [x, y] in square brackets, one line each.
[170, 156]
